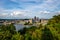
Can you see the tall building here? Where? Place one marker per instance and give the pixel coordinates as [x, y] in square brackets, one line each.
[36, 19]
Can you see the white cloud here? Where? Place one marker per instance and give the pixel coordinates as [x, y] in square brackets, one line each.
[3, 14]
[45, 12]
[13, 14]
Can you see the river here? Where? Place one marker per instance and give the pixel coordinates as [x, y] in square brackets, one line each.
[21, 26]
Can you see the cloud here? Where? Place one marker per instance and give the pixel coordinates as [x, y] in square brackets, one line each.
[13, 14]
[44, 12]
[28, 8]
[46, 6]
[18, 14]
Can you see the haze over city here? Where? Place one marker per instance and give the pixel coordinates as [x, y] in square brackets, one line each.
[19, 9]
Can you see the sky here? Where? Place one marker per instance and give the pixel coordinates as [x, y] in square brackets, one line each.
[20, 9]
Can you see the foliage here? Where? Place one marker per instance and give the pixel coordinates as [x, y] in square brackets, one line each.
[6, 32]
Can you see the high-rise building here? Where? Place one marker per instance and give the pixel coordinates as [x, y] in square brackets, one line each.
[36, 19]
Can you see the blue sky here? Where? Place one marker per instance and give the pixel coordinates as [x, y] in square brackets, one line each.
[16, 9]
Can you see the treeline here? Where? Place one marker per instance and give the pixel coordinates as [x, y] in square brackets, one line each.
[51, 31]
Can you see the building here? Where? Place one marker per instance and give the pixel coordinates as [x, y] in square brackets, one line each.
[43, 21]
[1, 22]
[35, 19]
[30, 20]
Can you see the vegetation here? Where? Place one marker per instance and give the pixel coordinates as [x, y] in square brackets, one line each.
[51, 31]
[28, 23]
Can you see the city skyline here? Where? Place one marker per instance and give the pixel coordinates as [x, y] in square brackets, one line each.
[20, 9]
